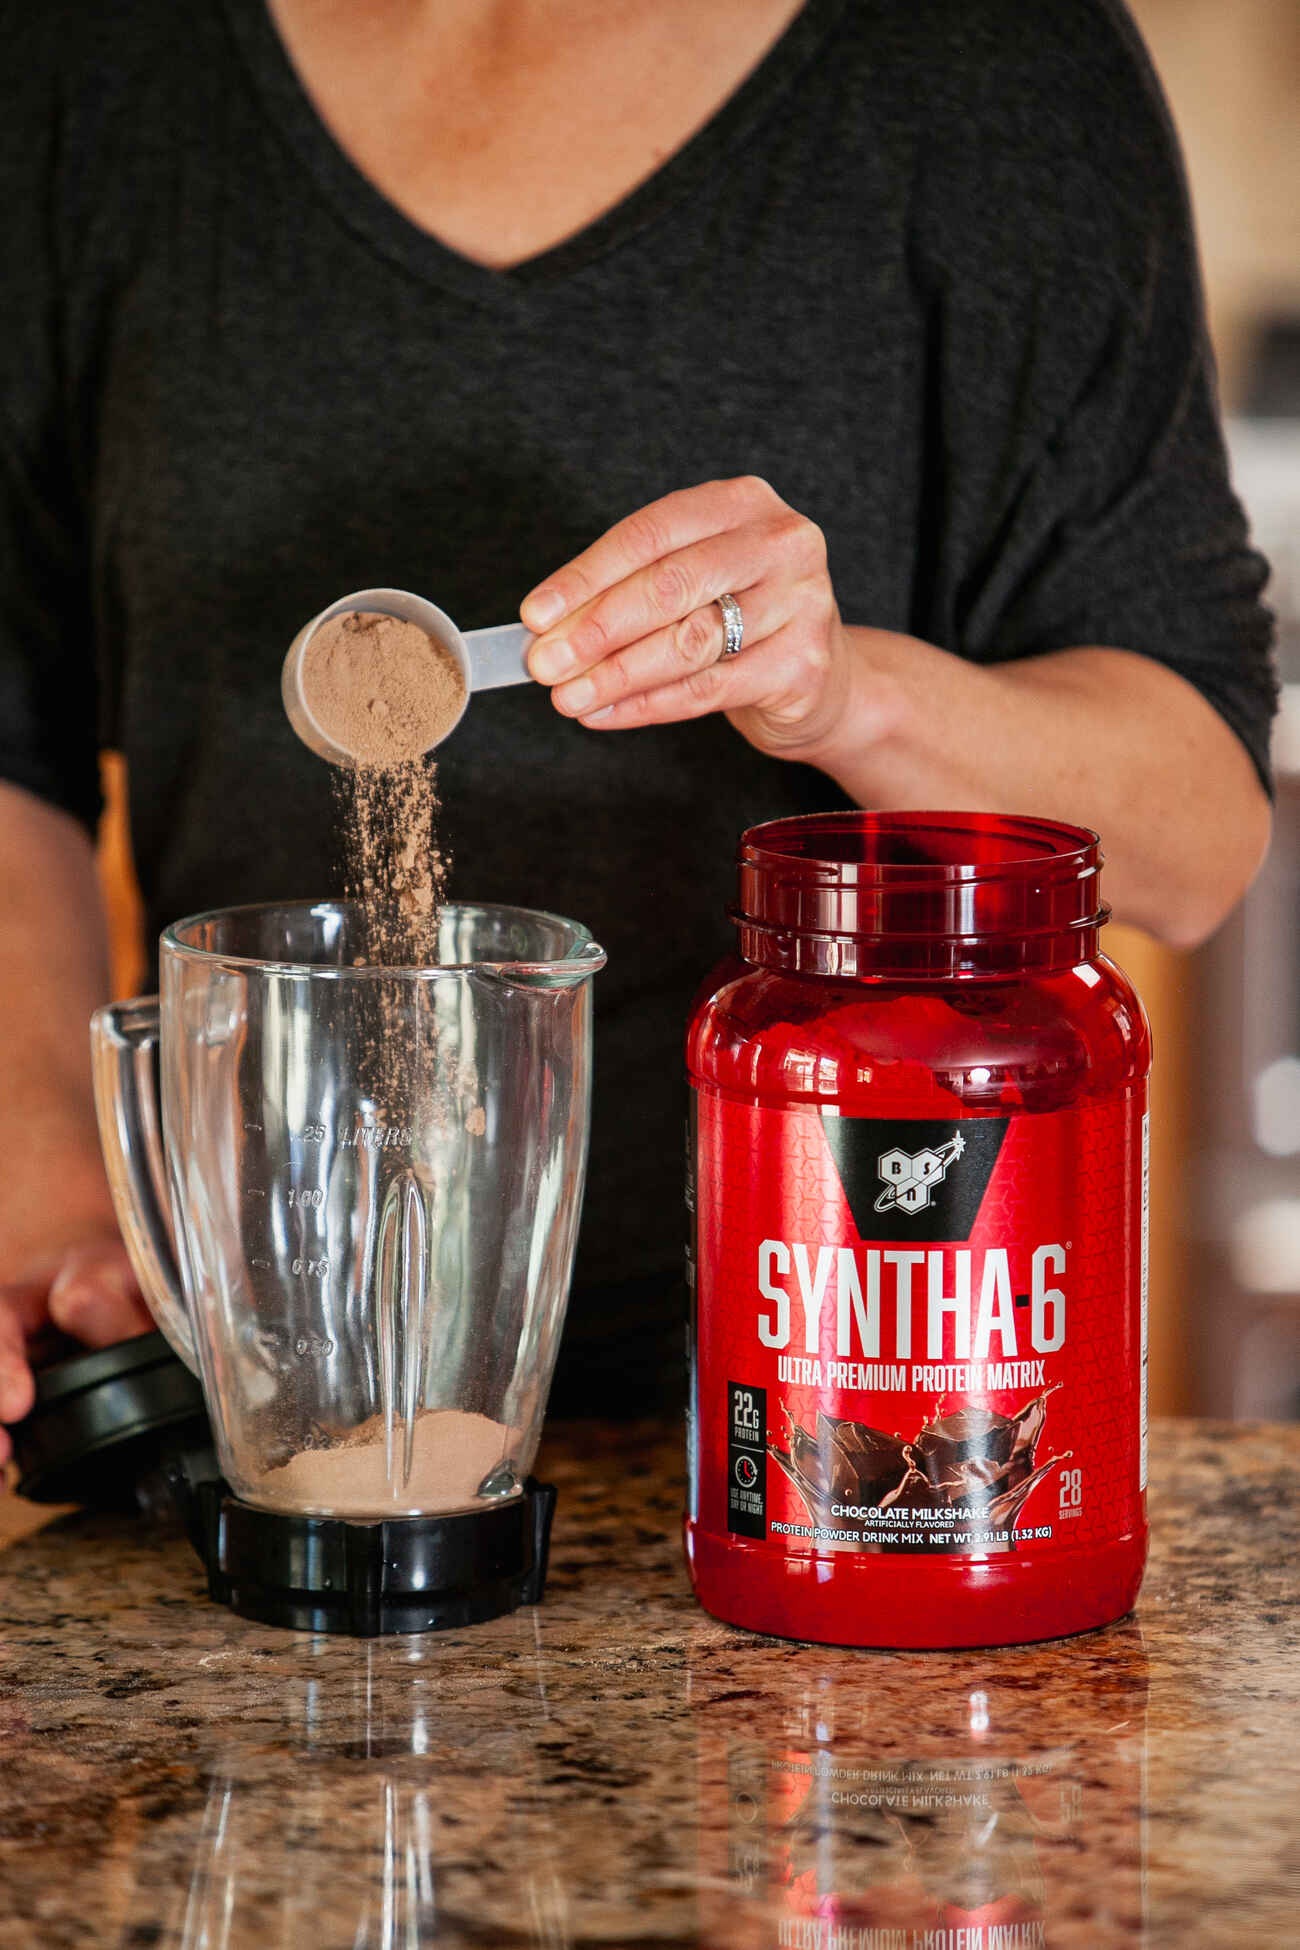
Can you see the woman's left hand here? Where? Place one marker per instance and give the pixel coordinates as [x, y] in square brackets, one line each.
[630, 632]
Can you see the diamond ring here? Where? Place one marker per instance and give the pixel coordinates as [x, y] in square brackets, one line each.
[734, 625]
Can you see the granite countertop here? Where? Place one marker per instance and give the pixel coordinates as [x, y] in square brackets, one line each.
[614, 1767]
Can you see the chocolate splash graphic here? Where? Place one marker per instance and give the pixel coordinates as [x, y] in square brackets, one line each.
[974, 1459]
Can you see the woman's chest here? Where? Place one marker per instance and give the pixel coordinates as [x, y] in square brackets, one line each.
[504, 129]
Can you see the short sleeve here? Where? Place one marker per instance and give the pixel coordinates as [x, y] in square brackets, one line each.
[1086, 497]
[49, 707]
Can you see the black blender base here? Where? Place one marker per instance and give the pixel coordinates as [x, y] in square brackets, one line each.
[402, 1574]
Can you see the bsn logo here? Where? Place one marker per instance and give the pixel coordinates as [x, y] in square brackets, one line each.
[910, 1178]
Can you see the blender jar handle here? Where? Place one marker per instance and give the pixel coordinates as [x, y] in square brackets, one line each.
[124, 1056]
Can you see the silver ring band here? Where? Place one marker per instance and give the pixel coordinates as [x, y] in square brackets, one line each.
[734, 625]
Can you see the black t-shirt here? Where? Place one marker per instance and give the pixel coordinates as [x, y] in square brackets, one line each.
[929, 270]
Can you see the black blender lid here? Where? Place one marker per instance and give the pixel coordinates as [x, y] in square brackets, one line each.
[101, 1420]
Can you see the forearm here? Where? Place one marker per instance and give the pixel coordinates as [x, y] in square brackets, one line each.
[628, 634]
[53, 973]
[1102, 738]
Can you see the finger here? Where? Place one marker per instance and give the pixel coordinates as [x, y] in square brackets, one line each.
[96, 1298]
[25, 1301]
[753, 563]
[680, 650]
[639, 539]
[773, 675]
[17, 1384]
[17, 1388]
[20, 1305]
[13, 1340]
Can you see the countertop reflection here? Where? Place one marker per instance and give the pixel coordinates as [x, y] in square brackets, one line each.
[616, 1768]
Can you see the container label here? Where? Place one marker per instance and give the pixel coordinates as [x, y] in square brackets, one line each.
[918, 1334]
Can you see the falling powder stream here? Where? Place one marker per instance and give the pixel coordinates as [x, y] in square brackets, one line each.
[387, 692]
[394, 864]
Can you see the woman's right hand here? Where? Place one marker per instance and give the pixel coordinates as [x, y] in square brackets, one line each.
[84, 1292]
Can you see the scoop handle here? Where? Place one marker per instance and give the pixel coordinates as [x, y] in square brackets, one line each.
[496, 656]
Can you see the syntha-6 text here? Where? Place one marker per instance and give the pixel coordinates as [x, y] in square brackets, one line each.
[945, 1302]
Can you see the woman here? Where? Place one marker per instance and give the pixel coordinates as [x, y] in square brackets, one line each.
[881, 321]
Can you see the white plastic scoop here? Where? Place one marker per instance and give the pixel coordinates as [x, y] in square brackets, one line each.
[487, 659]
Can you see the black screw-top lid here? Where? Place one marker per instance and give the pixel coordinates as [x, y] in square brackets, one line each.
[102, 1422]
[402, 1574]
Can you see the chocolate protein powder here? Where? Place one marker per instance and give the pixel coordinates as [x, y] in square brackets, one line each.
[453, 1452]
[394, 864]
[381, 688]
[386, 691]
[919, 1219]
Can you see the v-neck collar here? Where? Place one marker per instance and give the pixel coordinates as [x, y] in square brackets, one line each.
[380, 225]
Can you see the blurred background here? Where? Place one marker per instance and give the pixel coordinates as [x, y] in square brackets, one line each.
[1225, 1178]
[1225, 1300]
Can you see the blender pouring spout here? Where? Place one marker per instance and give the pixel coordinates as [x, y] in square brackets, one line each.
[587, 958]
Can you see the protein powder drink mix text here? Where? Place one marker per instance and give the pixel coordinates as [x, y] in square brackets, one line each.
[918, 1402]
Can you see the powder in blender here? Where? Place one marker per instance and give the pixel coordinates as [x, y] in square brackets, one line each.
[453, 1453]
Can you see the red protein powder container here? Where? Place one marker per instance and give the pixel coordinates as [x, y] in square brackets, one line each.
[918, 1185]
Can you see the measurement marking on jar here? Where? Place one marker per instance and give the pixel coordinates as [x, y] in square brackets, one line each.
[252, 1127]
[312, 1269]
[361, 1137]
[375, 1137]
[311, 1199]
[314, 1344]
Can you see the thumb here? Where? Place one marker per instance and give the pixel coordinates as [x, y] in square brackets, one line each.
[95, 1295]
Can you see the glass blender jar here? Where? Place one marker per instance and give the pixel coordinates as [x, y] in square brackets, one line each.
[355, 1221]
